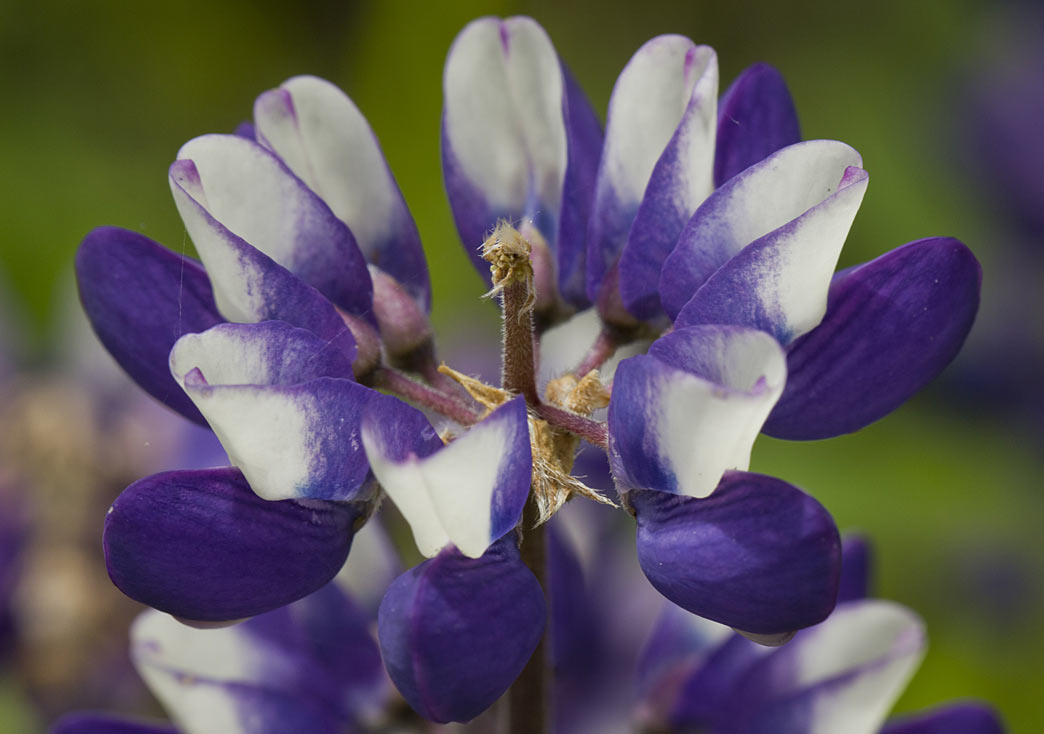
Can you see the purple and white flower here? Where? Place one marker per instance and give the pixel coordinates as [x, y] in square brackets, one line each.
[313, 290]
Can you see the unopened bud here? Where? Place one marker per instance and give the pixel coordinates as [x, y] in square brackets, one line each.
[367, 345]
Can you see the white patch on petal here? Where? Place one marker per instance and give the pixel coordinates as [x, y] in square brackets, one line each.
[708, 426]
[266, 431]
[461, 479]
[504, 87]
[648, 103]
[447, 497]
[185, 667]
[404, 484]
[564, 345]
[324, 139]
[230, 276]
[881, 640]
[250, 193]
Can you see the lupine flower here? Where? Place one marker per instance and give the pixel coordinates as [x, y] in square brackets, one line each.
[312, 666]
[313, 289]
[842, 675]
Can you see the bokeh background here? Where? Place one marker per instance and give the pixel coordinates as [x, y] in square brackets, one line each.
[943, 98]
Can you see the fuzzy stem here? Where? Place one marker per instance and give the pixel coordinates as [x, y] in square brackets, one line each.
[387, 378]
[528, 697]
[603, 348]
[519, 371]
[591, 431]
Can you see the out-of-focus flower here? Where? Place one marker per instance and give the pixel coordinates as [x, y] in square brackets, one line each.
[842, 675]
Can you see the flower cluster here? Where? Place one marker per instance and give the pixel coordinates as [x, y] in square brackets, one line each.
[704, 224]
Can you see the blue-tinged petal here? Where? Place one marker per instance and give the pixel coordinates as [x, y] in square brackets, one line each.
[455, 632]
[375, 564]
[516, 136]
[249, 285]
[91, 723]
[690, 410]
[203, 546]
[758, 554]
[756, 117]
[317, 653]
[576, 648]
[469, 492]
[584, 133]
[855, 569]
[282, 403]
[319, 133]
[762, 249]
[227, 187]
[892, 325]
[955, 718]
[657, 161]
[840, 676]
[687, 663]
[140, 298]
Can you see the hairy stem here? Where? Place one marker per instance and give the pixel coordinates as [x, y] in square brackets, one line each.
[387, 378]
[519, 372]
[591, 431]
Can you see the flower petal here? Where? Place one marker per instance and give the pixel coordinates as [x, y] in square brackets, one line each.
[855, 569]
[779, 283]
[756, 117]
[761, 250]
[840, 676]
[505, 140]
[283, 405]
[657, 159]
[140, 297]
[90, 723]
[249, 286]
[691, 409]
[319, 133]
[225, 185]
[469, 492]
[455, 632]
[202, 546]
[758, 554]
[317, 652]
[958, 718]
[892, 325]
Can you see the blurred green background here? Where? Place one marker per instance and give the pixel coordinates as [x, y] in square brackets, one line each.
[98, 96]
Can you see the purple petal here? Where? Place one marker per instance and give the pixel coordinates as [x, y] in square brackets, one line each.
[657, 161]
[690, 410]
[892, 325]
[319, 133]
[250, 286]
[758, 554]
[455, 632]
[90, 723]
[761, 250]
[469, 492]
[202, 546]
[959, 718]
[584, 133]
[686, 666]
[576, 650]
[505, 145]
[243, 189]
[756, 117]
[317, 652]
[855, 569]
[840, 676]
[140, 298]
[283, 404]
